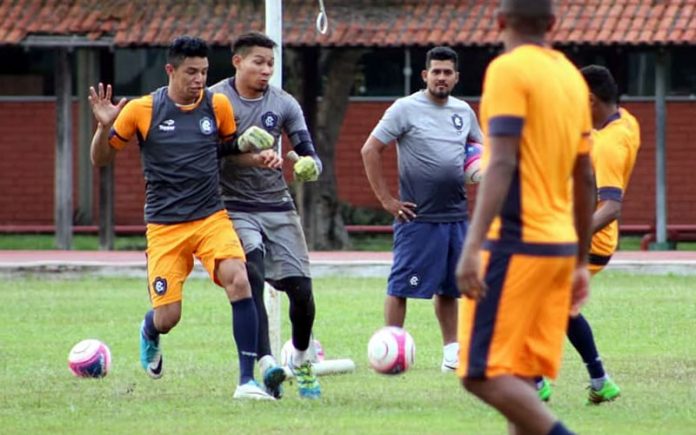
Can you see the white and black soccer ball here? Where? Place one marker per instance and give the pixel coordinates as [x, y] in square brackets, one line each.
[90, 358]
[391, 350]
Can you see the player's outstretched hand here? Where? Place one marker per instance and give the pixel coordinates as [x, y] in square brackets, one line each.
[468, 275]
[105, 112]
[255, 137]
[581, 289]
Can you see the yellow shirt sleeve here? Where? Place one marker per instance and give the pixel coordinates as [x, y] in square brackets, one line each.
[505, 90]
[224, 115]
[134, 118]
[612, 156]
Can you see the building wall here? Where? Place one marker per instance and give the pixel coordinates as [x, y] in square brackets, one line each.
[27, 153]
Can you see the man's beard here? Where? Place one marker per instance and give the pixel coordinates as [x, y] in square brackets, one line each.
[440, 94]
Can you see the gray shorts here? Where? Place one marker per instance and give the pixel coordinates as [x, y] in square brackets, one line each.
[278, 234]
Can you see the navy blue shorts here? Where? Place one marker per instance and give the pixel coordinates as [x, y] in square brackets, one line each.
[425, 259]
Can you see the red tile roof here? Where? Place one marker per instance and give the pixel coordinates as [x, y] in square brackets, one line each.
[351, 22]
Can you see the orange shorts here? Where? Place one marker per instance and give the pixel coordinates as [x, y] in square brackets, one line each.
[519, 328]
[595, 268]
[171, 248]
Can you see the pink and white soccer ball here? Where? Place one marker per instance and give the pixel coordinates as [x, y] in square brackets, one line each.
[391, 350]
[287, 350]
[90, 358]
[472, 163]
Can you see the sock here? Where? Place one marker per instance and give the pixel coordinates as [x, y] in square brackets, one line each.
[580, 336]
[559, 429]
[255, 272]
[539, 382]
[244, 330]
[299, 357]
[451, 351]
[302, 309]
[149, 330]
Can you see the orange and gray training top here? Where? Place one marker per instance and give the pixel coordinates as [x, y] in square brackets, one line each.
[179, 152]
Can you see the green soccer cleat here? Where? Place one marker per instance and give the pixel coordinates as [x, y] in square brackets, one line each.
[544, 390]
[607, 393]
[307, 383]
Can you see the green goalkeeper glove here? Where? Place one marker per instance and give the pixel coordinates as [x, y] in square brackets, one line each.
[306, 169]
[255, 137]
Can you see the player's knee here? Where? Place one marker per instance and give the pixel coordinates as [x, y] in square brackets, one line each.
[255, 270]
[232, 276]
[298, 289]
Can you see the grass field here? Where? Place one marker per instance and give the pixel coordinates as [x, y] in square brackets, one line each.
[643, 326]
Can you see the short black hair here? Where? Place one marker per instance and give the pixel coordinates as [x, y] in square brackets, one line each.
[245, 42]
[442, 53]
[186, 46]
[529, 17]
[601, 83]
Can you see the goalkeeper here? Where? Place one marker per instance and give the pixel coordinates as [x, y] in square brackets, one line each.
[259, 203]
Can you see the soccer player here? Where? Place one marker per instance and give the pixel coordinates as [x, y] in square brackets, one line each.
[261, 207]
[181, 129]
[431, 130]
[524, 262]
[616, 140]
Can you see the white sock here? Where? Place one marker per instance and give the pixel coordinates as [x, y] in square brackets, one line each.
[266, 362]
[299, 357]
[451, 351]
[598, 383]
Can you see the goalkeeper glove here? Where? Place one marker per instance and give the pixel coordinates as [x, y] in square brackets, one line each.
[255, 137]
[306, 169]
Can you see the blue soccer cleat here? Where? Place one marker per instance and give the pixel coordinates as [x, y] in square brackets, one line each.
[150, 355]
[273, 378]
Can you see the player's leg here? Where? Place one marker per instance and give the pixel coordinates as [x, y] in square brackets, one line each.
[602, 387]
[169, 261]
[221, 253]
[515, 333]
[249, 228]
[447, 299]
[417, 269]
[287, 265]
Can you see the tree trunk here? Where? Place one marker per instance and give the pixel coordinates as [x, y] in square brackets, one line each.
[320, 208]
[324, 225]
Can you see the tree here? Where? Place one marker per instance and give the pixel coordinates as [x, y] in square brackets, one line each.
[319, 205]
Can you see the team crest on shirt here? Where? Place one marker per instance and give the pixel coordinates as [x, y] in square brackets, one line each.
[206, 125]
[160, 285]
[269, 120]
[458, 122]
[414, 280]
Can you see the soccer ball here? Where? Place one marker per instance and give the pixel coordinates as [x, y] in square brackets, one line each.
[89, 358]
[472, 163]
[391, 350]
[287, 350]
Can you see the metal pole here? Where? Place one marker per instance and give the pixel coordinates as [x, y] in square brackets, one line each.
[86, 76]
[63, 199]
[274, 30]
[660, 151]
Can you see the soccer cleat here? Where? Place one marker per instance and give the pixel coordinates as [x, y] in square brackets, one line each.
[251, 390]
[273, 378]
[607, 393]
[307, 383]
[544, 390]
[150, 355]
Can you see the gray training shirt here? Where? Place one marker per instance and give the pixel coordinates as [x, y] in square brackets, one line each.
[257, 189]
[430, 141]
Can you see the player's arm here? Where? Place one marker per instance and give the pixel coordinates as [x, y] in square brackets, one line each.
[371, 153]
[232, 143]
[607, 212]
[584, 201]
[105, 113]
[307, 166]
[269, 159]
[610, 169]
